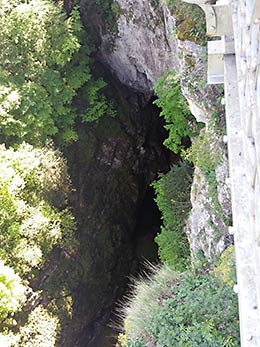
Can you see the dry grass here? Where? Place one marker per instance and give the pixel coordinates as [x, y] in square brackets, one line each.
[144, 299]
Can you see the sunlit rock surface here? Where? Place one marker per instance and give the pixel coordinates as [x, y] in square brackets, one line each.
[207, 229]
[143, 47]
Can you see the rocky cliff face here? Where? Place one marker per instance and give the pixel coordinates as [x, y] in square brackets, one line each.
[113, 163]
[143, 47]
[207, 226]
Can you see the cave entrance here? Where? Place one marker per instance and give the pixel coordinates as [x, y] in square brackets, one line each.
[152, 157]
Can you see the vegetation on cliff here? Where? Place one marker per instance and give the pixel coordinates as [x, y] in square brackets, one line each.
[180, 122]
[44, 61]
[182, 302]
[46, 86]
[190, 21]
[173, 199]
[190, 309]
[41, 72]
[196, 305]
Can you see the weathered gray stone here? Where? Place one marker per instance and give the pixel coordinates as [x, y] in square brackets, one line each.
[138, 54]
[206, 230]
[224, 193]
[202, 98]
[144, 47]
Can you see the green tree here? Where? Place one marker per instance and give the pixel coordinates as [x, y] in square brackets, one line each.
[30, 222]
[44, 61]
[12, 291]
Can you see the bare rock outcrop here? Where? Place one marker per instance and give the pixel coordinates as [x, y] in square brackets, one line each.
[144, 46]
[207, 225]
[139, 52]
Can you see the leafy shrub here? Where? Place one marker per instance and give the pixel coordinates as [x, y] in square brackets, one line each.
[197, 305]
[194, 310]
[173, 248]
[175, 110]
[41, 70]
[190, 21]
[173, 200]
[226, 269]
[12, 291]
[97, 104]
[30, 223]
[111, 11]
[41, 330]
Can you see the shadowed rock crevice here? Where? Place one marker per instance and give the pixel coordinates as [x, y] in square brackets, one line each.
[112, 165]
[140, 47]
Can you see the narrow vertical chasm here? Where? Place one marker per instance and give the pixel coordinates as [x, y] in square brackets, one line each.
[112, 166]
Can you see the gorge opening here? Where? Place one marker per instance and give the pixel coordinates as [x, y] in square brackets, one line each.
[112, 166]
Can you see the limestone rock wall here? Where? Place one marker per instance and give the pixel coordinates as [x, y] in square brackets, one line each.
[143, 47]
[141, 50]
[207, 228]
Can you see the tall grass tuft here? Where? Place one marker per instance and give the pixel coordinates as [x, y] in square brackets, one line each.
[146, 293]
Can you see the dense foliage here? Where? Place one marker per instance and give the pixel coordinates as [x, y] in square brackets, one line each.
[187, 310]
[190, 21]
[41, 70]
[33, 218]
[40, 330]
[12, 291]
[110, 11]
[175, 110]
[30, 223]
[173, 199]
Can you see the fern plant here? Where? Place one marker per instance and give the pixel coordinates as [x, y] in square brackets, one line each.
[174, 108]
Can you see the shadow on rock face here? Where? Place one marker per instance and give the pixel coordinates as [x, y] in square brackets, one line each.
[112, 165]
